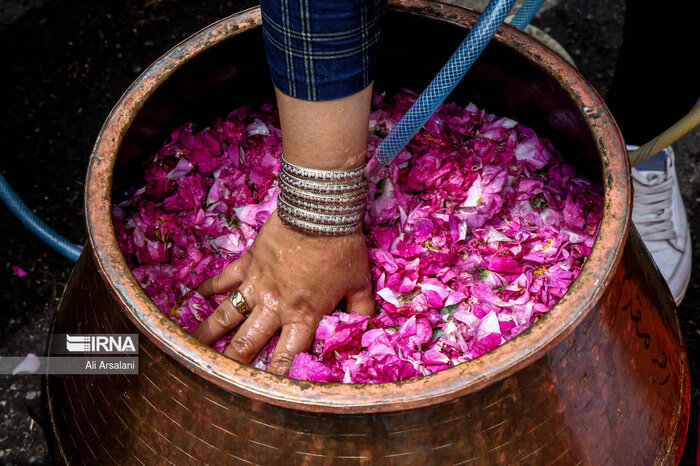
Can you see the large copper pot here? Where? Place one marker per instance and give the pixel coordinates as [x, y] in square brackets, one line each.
[601, 379]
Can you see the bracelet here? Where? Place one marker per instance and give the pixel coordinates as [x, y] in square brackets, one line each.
[324, 208]
[319, 199]
[321, 202]
[318, 230]
[327, 187]
[322, 175]
[317, 217]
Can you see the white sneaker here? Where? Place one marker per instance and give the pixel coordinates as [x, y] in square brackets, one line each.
[660, 218]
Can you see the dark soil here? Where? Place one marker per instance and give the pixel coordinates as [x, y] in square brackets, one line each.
[64, 65]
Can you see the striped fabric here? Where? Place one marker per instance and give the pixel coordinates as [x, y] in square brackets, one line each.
[321, 49]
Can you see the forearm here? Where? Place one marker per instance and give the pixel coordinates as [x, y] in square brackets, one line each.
[322, 56]
[325, 135]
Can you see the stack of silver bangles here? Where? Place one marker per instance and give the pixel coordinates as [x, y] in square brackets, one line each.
[322, 202]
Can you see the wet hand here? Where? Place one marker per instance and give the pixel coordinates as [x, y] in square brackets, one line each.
[289, 281]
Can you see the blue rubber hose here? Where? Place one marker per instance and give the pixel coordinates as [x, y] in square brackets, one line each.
[451, 74]
[526, 13]
[35, 224]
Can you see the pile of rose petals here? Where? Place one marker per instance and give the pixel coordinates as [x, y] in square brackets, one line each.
[477, 229]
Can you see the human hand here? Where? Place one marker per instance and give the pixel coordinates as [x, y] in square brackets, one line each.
[289, 280]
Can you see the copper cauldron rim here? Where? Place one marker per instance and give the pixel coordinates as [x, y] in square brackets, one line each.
[443, 386]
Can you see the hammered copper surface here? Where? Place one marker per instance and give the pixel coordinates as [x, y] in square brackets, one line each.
[601, 379]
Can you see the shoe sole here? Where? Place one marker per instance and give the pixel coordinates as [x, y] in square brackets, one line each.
[687, 257]
[681, 296]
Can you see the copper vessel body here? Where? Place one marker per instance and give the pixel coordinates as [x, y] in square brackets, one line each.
[601, 379]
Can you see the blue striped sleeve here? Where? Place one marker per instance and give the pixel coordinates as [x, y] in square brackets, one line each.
[321, 49]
